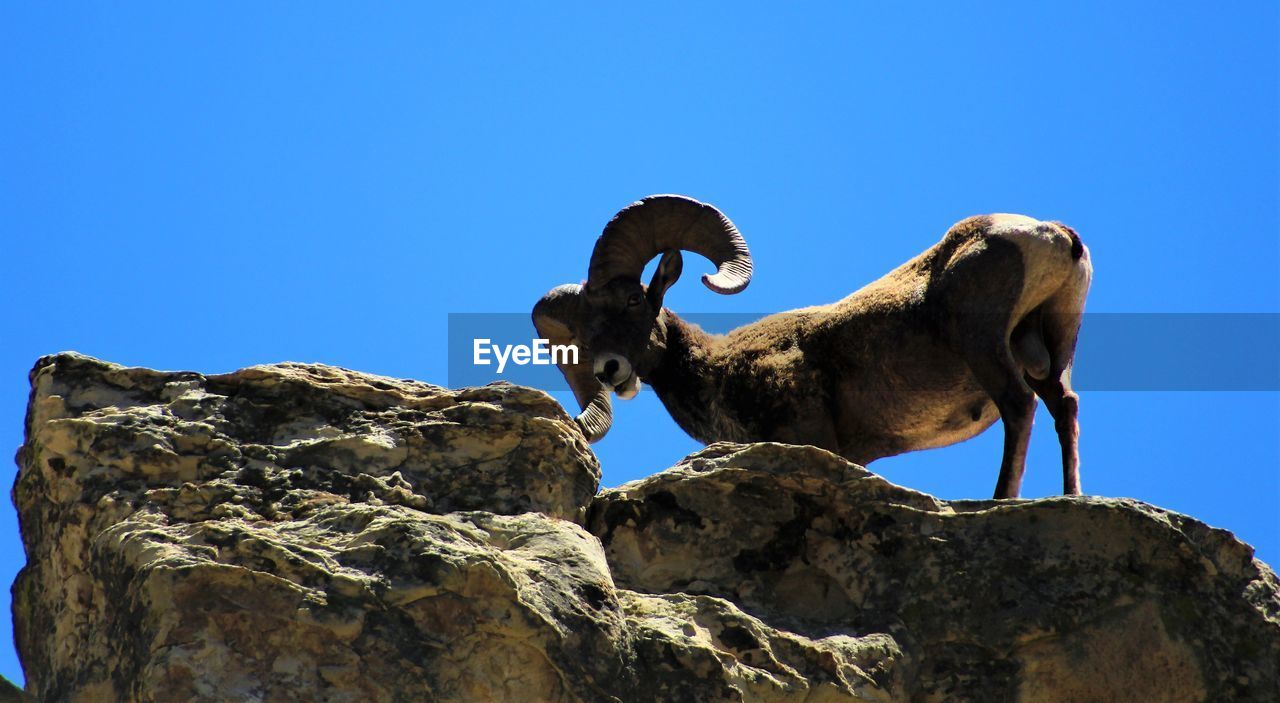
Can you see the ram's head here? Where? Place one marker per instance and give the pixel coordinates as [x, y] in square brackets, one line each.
[613, 318]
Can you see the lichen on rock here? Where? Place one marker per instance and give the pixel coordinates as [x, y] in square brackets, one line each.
[303, 532]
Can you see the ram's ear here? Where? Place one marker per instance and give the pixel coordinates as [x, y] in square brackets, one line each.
[665, 276]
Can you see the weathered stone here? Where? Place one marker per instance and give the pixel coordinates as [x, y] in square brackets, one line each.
[301, 433]
[297, 532]
[1063, 599]
[136, 487]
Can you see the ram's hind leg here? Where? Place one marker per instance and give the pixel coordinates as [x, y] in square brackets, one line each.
[1049, 375]
[1060, 325]
[1064, 405]
[1001, 377]
[994, 357]
[978, 294]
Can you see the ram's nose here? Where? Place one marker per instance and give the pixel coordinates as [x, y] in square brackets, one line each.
[612, 369]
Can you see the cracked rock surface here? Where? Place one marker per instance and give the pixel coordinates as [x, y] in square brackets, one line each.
[306, 533]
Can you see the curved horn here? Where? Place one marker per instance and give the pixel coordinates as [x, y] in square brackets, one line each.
[553, 316]
[657, 223]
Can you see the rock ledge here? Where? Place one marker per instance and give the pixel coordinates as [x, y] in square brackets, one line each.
[303, 532]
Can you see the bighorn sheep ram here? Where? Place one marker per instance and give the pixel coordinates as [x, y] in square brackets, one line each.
[969, 331]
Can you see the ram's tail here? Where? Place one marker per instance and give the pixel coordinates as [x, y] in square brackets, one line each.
[1077, 246]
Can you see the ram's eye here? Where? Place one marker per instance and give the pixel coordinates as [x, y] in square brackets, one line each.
[634, 300]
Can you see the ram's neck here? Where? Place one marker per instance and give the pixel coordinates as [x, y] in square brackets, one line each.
[686, 380]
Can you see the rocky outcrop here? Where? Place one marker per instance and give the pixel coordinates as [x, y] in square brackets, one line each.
[1062, 599]
[301, 532]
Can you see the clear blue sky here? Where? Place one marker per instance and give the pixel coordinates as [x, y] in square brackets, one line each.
[186, 187]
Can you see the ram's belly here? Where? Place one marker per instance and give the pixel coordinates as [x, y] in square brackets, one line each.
[939, 420]
[885, 419]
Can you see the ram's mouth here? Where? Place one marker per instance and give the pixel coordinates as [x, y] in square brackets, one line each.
[628, 388]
